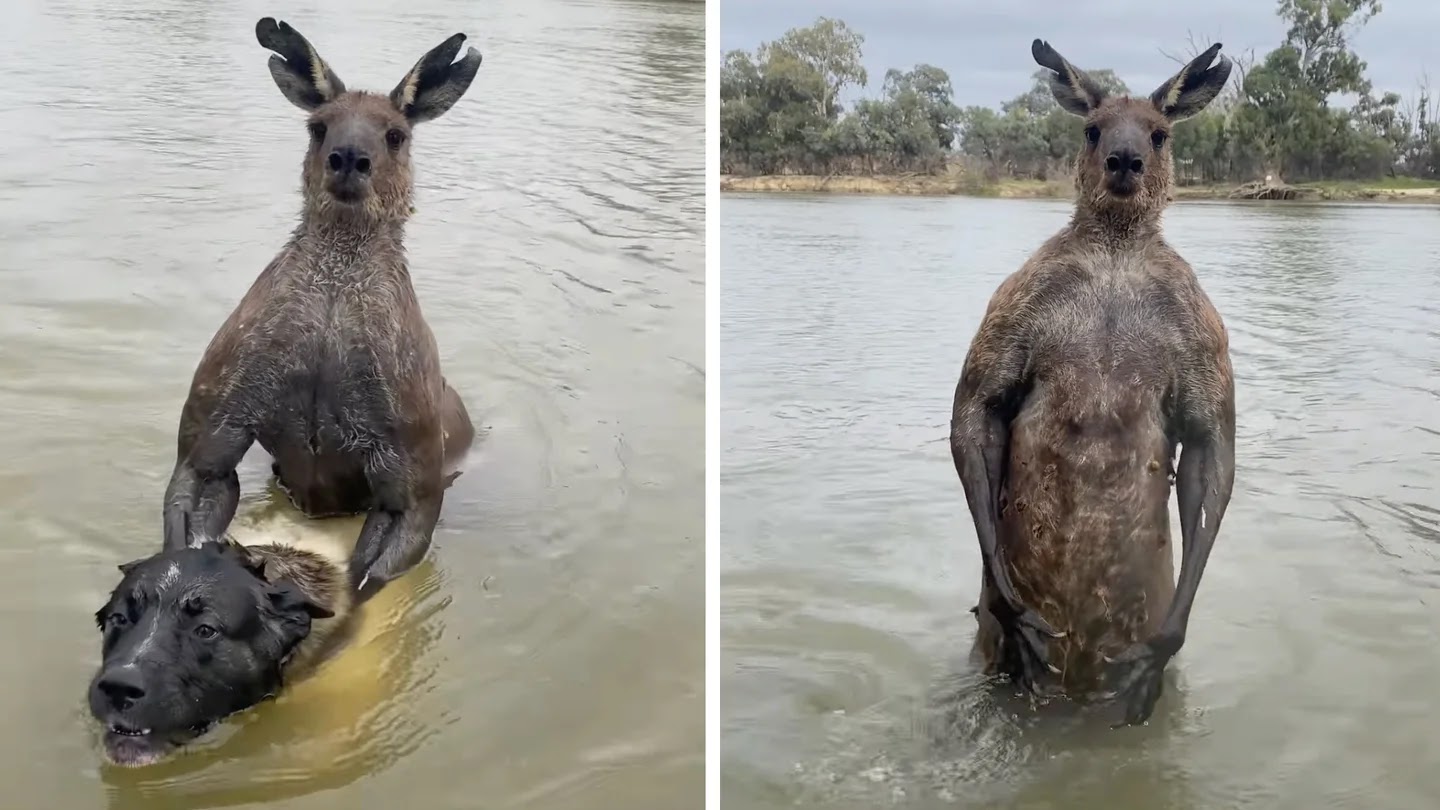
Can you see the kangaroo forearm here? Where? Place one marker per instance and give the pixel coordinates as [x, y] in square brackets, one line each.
[198, 506]
[179, 504]
[215, 506]
[979, 453]
[390, 544]
[1204, 479]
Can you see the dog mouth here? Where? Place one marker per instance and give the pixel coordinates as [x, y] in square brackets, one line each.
[122, 730]
[131, 746]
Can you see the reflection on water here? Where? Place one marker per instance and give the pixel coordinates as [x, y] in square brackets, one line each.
[550, 650]
[849, 562]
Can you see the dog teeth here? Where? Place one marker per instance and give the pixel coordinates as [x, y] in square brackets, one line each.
[130, 732]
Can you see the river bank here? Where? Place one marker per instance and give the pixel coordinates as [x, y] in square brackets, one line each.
[1403, 190]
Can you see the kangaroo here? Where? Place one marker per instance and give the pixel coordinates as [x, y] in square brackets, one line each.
[327, 361]
[1091, 363]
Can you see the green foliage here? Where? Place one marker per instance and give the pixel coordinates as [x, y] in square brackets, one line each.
[779, 109]
[780, 113]
[826, 53]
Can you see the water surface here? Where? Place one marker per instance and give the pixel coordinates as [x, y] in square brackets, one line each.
[550, 651]
[849, 560]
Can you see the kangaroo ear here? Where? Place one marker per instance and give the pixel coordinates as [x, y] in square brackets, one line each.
[1071, 86]
[436, 82]
[297, 68]
[1194, 87]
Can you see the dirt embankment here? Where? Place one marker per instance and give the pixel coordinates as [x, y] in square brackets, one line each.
[911, 184]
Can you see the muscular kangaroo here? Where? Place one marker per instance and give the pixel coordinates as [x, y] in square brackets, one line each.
[1091, 364]
[327, 361]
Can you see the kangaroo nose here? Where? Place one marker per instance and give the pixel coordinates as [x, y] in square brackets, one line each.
[348, 159]
[121, 687]
[1122, 160]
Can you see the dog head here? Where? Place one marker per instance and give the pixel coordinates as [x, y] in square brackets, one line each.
[190, 636]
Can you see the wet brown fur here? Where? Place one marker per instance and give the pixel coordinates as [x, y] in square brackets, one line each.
[322, 581]
[1093, 361]
[327, 360]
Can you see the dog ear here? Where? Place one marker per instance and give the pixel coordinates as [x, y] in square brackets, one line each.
[126, 568]
[287, 599]
[287, 611]
[436, 82]
[248, 558]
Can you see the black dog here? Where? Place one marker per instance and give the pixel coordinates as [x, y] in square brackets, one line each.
[193, 635]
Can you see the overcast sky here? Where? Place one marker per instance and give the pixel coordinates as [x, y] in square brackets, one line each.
[985, 46]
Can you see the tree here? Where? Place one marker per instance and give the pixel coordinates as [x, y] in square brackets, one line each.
[983, 135]
[1287, 115]
[1320, 31]
[1380, 119]
[831, 50]
[742, 108]
[769, 110]
[926, 92]
[1280, 110]
[1421, 120]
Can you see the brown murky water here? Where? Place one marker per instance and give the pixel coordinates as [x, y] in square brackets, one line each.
[849, 561]
[550, 651]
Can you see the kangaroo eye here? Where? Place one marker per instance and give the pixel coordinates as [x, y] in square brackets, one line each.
[1092, 134]
[1158, 138]
[317, 130]
[394, 138]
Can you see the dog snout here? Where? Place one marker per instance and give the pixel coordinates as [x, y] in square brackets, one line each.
[121, 687]
[348, 160]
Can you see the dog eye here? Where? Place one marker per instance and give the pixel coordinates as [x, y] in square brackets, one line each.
[394, 138]
[206, 631]
[1092, 134]
[117, 619]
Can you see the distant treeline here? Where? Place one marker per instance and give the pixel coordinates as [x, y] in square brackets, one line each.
[780, 113]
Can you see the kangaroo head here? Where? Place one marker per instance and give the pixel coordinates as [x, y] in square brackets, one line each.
[358, 161]
[1125, 166]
